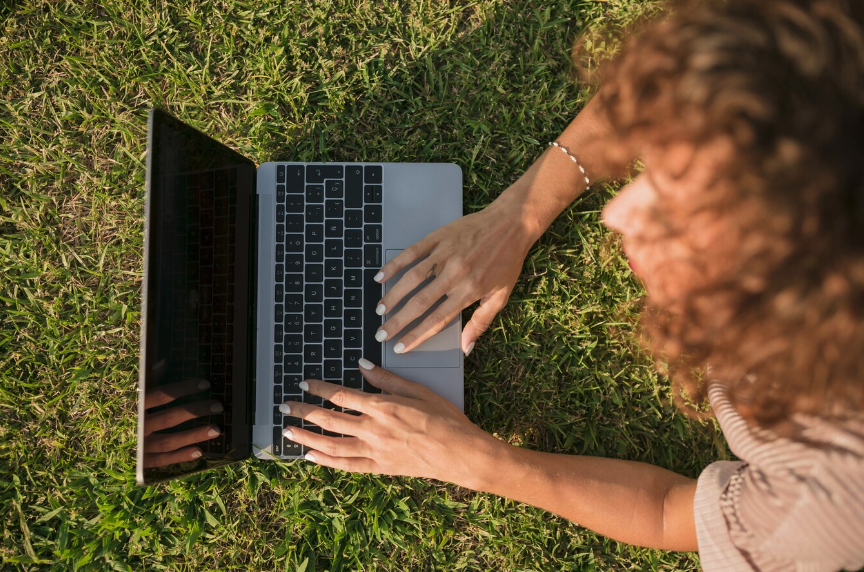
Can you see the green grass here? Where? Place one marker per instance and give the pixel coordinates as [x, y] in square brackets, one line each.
[480, 83]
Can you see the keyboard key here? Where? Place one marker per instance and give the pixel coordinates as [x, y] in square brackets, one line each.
[354, 278]
[333, 349]
[372, 174]
[277, 353]
[293, 282]
[353, 238]
[372, 233]
[353, 337]
[292, 384]
[293, 364]
[333, 208]
[290, 448]
[315, 233]
[277, 417]
[353, 298]
[293, 204]
[354, 187]
[354, 218]
[332, 369]
[312, 372]
[280, 292]
[280, 272]
[372, 194]
[293, 303]
[280, 253]
[317, 173]
[314, 252]
[333, 268]
[314, 293]
[333, 328]
[278, 315]
[372, 256]
[280, 233]
[333, 308]
[353, 258]
[295, 178]
[277, 374]
[353, 318]
[293, 263]
[280, 173]
[280, 193]
[294, 223]
[313, 353]
[314, 273]
[372, 213]
[334, 189]
[276, 448]
[333, 248]
[314, 333]
[353, 379]
[333, 287]
[314, 193]
[293, 323]
[313, 313]
[315, 213]
[277, 394]
[293, 344]
[333, 229]
[351, 357]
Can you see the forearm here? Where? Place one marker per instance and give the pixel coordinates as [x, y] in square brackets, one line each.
[553, 182]
[628, 501]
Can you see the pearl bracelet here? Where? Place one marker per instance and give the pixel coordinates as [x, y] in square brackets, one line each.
[575, 160]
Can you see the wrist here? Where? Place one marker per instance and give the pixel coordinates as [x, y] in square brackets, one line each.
[489, 459]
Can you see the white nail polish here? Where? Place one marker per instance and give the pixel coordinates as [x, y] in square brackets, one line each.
[288, 433]
[196, 454]
[203, 384]
[381, 335]
[470, 347]
[380, 310]
[213, 432]
[365, 363]
[400, 347]
[285, 409]
[310, 457]
[378, 277]
[216, 408]
[303, 385]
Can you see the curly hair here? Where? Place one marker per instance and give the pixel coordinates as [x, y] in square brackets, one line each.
[783, 82]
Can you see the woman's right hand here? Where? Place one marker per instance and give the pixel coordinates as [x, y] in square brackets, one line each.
[477, 257]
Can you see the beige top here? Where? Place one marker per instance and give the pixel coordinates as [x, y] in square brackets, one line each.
[788, 504]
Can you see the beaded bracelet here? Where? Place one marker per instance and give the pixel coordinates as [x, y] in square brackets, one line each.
[575, 160]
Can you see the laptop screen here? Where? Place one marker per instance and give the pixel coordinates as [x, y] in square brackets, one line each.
[197, 348]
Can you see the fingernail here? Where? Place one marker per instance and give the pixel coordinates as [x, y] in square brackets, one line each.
[285, 409]
[378, 277]
[217, 408]
[203, 384]
[381, 335]
[380, 310]
[470, 347]
[365, 363]
[213, 432]
[303, 385]
[196, 454]
[310, 457]
[400, 347]
[288, 433]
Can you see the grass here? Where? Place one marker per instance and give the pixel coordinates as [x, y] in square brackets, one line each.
[481, 83]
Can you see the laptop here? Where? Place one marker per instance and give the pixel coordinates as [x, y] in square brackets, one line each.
[258, 278]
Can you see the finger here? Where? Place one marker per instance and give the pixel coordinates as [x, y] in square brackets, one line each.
[327, 419]
[405, 258]
[179, 456]
[338, 394]
[413, 309]
[177, 415]
[415, 278]
[350, 464]
[167, 393]
[164, 442]
[436, 321]
[391, 383]
[482, 318]
[330, 446]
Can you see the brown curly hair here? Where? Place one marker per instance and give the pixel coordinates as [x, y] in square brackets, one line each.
[783, 81]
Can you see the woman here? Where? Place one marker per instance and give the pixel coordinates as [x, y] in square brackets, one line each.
[746, 226]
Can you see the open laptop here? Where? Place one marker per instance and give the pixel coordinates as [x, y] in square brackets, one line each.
[255, 279]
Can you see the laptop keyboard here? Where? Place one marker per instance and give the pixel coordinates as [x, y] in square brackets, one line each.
[328, 249]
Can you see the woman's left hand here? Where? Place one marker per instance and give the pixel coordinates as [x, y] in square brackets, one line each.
[410, 432]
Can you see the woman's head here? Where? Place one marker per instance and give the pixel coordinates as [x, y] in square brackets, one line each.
[747, 221]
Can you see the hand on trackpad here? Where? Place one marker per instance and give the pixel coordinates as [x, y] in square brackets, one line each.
[441, 350]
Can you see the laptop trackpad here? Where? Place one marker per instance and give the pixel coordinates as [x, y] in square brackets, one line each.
[441, 350]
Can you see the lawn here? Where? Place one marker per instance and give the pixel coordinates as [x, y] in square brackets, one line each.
[482, 83]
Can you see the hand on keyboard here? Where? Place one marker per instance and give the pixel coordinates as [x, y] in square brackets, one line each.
[161, 449]
[409, 431]
[477, 257]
